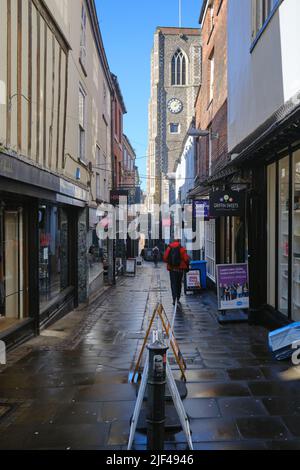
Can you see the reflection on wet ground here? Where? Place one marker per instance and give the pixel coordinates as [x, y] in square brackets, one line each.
[78, 396]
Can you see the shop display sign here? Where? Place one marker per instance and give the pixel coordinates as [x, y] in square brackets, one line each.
[193, 280]
[226, 203]
[233, 286]
[131, 266]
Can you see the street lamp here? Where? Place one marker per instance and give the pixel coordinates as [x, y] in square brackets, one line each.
[202, 133]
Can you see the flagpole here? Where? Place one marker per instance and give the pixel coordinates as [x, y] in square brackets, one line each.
[180, 15]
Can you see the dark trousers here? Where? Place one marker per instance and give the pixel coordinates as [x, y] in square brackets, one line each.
[176, 284]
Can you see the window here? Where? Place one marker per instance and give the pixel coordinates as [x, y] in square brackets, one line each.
[211, 77]
[212, 15]
[120, 126]
[83, 37]
[120, 174]
[284, 243]
[178, 68]
[98, 155]
[174, 128]
[82, 104]
[262, 10]
[210, 156]
[53, 253]
[98, 186]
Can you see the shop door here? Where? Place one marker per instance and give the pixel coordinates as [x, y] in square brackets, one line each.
[13, 264]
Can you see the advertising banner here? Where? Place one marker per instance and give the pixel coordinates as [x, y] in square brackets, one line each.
[201, 209]
[233, 286]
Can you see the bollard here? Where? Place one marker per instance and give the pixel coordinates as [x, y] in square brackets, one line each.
[156, 396]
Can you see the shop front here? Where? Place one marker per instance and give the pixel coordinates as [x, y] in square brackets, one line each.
[283, 236]
[42, 250]
[14, 273]
[225, 238]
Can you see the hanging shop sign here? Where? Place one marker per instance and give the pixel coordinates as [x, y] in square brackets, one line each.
[226, 203]
[233, 286]
[201, 209]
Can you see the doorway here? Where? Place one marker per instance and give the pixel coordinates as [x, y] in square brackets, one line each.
[13, 272]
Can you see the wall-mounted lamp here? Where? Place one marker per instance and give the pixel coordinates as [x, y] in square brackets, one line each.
[203, 133]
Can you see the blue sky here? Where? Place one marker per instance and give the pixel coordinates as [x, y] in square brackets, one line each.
[127, 27]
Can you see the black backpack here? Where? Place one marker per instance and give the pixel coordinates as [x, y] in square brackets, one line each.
[174, 258]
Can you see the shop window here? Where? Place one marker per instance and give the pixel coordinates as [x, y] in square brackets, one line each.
[296, 240]
[283, 242]
[210, 248]
[53, 253]
[271, 234]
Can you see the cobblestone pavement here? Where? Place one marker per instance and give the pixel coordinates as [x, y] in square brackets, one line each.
[69, 388]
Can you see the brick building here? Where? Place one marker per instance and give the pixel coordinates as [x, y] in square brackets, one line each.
[118, 111]
[211, 116]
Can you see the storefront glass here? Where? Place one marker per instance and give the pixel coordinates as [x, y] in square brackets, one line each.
[272, 184]
[13, 272]
[210, 248]
[296, 239]
[53, 253]
[283, 241]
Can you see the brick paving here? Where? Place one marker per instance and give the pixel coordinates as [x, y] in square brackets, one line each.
[72, 392]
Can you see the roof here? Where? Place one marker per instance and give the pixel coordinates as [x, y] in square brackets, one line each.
[98, 40]
[127, 141]
[202, 11]
[118, 92]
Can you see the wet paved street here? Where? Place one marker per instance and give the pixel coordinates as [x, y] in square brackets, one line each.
[75, 394]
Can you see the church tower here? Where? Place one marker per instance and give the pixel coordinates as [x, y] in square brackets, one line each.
[175, 80]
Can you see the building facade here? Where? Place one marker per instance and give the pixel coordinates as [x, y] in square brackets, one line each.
[175, 78]
[264, 142]
[55, 129]
[211, 116]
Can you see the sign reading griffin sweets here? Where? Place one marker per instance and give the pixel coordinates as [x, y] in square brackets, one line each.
[226, 203]
[233, 286]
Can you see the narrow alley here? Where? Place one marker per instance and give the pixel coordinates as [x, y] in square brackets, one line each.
[68, 389]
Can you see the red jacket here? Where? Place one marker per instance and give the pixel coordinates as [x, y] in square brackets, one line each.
[185, 259]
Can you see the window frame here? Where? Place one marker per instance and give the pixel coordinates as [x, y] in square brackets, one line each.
[179, 68]
[174, 124]
[82, 125]
[211, 76]
[83, 41]
[257, 32]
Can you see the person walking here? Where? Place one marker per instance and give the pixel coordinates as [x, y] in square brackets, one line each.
[178, 261]
[155, 253]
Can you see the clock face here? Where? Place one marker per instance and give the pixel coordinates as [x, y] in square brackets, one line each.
[175, 106]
